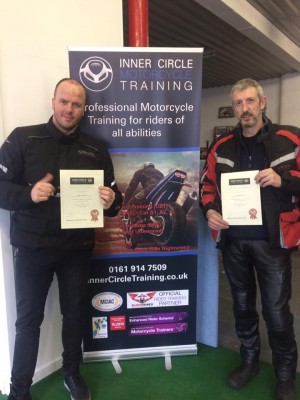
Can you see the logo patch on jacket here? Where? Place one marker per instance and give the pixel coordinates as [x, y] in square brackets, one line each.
[4, 169]
[84, 153]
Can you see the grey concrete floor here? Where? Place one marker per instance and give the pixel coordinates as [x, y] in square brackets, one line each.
[227, 336]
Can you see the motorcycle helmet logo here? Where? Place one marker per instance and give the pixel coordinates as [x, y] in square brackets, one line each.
[95, 74]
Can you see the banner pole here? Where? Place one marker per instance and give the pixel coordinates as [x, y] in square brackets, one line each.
[138, 23]
[139, 37]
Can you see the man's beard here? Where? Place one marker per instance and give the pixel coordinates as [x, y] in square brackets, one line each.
[250, 122]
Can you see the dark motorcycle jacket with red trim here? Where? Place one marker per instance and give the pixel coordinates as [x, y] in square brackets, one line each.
[280, 206]
[27, 155]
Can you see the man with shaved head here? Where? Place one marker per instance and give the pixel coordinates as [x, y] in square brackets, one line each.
[30, 162]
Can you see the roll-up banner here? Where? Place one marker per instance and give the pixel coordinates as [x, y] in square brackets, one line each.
[144, 103]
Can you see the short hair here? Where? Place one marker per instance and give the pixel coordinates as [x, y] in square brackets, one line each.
[245, 83]
[71, 80]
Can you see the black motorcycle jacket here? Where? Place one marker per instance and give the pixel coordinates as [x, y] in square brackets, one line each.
[27, 155]
[280, 206]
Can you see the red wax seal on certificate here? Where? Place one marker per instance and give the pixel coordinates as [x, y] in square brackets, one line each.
[94, 215]
[253, 213]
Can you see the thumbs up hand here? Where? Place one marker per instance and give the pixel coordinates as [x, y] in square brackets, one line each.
[43, 189]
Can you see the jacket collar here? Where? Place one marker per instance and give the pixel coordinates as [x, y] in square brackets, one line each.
[262, 132]
[59, 136]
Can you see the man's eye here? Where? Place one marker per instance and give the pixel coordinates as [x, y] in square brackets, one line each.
[237, 103]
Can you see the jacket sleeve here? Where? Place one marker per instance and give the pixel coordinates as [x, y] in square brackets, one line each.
[109, 180]
[291, 179]
[14, 193]
[291, 182]
[209, 192]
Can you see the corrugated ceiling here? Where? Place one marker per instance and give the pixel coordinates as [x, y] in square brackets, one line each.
[229, 55]
[284, 14]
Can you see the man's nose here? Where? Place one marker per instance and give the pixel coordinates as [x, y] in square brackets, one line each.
[244, 105]
[69, 108]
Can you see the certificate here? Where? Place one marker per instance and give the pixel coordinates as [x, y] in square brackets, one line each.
[241, 202]
[79, 199]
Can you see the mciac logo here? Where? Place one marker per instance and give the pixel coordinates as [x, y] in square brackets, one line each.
[95, 74]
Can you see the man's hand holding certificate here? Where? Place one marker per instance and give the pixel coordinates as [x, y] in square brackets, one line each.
[241, 202]
[79, 196]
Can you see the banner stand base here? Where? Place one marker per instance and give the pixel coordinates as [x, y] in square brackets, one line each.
[168, 362]
[117, 366]
[118, 369]
[132, 354]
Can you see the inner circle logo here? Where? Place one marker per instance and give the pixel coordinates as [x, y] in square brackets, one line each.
[95, 74]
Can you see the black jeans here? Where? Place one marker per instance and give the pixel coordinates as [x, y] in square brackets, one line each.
[241, 258]
[34, 272]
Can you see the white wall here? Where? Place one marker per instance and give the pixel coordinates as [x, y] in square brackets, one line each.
[283, 104]
[7, 302]
[290, 107]
[34, 38]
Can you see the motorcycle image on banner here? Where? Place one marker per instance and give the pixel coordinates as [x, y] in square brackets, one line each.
[159, 216]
